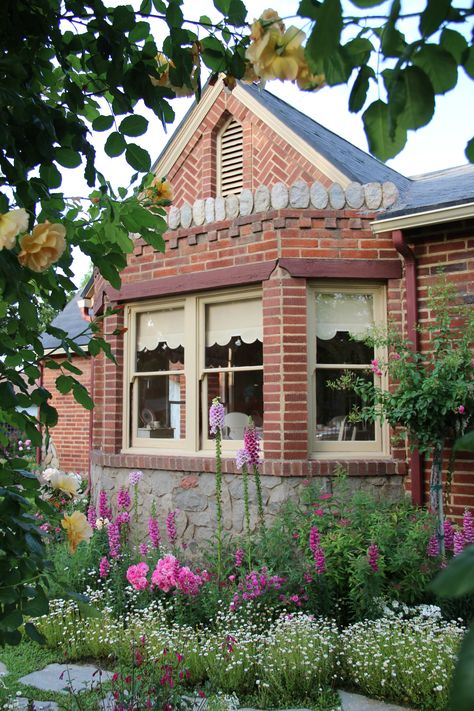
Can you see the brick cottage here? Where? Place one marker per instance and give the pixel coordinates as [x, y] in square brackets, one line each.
[283, 238]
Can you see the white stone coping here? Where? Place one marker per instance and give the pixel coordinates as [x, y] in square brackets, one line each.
[300, 195]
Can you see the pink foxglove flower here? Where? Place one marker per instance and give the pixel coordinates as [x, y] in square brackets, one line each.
[241, 458]
[433, 547]
[104, 509]
[459, 542]
[143, 548]
[216, 416]
[154, 532]
[314, 540]
[320, 561]
[373, 557]
[468, 526]
[92, 516]
[448, 535]
[113, 533]
[239, 557]
[171, 527]
[252, 446]
[123, 499]
[135, 477]
[104, 567]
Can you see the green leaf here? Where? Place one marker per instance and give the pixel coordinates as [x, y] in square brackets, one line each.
[465, 443]
[64, 384]
[12, 620]
[454, 43]
[308, 8]
[337, 67]
[138, 158]
[67, 157]
[377, 128]
[470, 156]
[237, 13]
[34, 545]
[48, 415]
[140, 32]
[359, 50]
[82, 396]
[468, 62]
[51, 175]
[33, 633]
[115, 144]
[439, 65]
[367, 3]
[135, 125]
[359, 90]
[435, 12]
[326, 34]
[103, 123]
[462, 688]
[174, 15]
[419, 99]
[458, 578]
[38, 605]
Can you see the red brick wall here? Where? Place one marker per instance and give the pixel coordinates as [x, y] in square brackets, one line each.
[71, 435]
[447, 249]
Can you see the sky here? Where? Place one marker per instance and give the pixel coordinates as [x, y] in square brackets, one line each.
[438, 145]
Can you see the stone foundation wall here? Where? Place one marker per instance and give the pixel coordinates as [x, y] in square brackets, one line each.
[193, 497]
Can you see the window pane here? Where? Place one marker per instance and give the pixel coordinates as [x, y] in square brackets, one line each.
[241, 319]
[333, 407]
[161, 407]
[160, 338]
[343, 312]
[236, 353]
[161, 358]
[343, 349]
[240, 393]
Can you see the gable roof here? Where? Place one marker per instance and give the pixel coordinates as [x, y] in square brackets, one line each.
[335, 157]
[70, 319]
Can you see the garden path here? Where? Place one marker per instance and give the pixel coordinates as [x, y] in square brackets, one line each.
[56, 677]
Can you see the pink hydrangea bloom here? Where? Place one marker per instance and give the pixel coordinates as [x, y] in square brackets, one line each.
[216, 416]
[165, 574]
[136, 576]
[188, 582]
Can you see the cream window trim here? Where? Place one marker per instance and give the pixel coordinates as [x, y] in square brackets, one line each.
[334, 448]
[193, 339]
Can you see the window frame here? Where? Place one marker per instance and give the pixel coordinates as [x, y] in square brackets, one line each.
[194, 368]
[348, 448]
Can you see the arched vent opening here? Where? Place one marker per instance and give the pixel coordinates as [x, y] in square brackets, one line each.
[231, 159]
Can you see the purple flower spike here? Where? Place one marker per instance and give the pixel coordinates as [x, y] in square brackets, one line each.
[433, 547]
[135, 477]
[468, 526]
[373, 557]
[459, 542]
[241, 458]
[123, 499]
[171, 527]
[448, 535]
[216, 416]
[154, 532]
[252, 446]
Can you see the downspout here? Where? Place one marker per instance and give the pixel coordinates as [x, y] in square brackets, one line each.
[40, 429]
[91, 430]
[400, 244]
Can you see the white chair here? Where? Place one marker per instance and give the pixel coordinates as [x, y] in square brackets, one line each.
[236, 422]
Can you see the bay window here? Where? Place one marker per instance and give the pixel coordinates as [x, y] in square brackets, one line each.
[181, 354]
[340, 316]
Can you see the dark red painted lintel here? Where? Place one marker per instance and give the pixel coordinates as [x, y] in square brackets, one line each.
[343, 268]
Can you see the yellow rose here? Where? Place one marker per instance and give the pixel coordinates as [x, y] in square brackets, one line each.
[77, 529]
[64, 482]
[277, 55]
[42, 247]
[160, 191]
[309, 82]
[11, 224]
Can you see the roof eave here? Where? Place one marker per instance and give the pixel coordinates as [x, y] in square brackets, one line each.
[424, 218]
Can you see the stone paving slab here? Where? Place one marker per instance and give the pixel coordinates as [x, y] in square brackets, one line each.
[61, 677]
[21, 704]
[357, 702]
[3, 669]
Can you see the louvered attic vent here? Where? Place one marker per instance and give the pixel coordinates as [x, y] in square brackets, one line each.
[231, 172]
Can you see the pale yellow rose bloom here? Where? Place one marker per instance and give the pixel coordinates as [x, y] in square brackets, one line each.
[276, 55]
[267, 19]
[43, 247]
[11, 224]
[77, 529]
[159, 190]
[307, 81]
[67, 483]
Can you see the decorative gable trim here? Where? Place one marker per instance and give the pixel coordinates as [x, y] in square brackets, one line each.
[197, 114]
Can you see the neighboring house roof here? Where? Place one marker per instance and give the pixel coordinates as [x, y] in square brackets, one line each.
[70, 320]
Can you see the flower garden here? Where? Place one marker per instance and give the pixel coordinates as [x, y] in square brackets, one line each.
[333, 595]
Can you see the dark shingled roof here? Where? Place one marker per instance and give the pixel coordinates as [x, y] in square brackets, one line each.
[443, 188]
[350, 160]
[69, 320]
